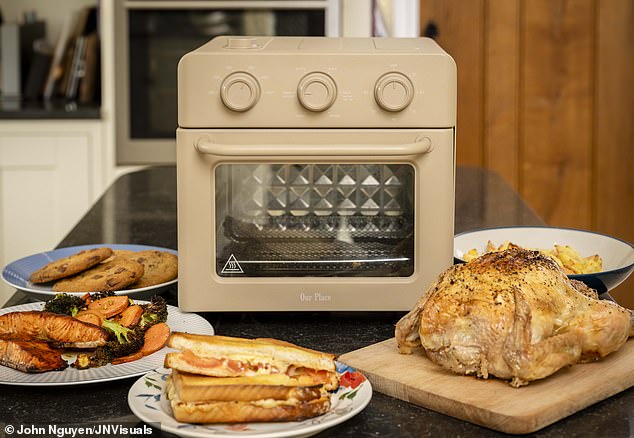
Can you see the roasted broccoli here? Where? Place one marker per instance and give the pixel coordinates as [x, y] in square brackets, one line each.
[153, 312]
[124, 341]
[99, 295]
[65, 304]
[127, 341]
[121, 333]
[105, 354]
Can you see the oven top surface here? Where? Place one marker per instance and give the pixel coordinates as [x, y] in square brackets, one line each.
[254, 45]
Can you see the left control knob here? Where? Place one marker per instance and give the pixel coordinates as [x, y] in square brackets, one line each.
[240, 91]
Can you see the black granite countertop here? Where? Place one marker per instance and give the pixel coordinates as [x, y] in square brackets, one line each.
[141, 208]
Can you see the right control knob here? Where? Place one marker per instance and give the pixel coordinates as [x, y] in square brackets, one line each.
[393, 91]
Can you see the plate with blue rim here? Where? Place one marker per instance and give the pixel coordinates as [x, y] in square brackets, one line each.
[147, 401]
[17, 273]
[617, 255]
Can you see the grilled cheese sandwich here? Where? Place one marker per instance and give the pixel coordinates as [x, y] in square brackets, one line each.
[223, 379]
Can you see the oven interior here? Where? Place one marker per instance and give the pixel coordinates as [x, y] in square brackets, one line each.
[314, 219]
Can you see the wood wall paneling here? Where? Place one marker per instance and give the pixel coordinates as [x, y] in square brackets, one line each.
[614, 134]
[545, 98]
[460, 26]
[501, 88]
[556, 110]
[615, 117]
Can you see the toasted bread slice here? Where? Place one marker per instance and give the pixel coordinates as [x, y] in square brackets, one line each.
[246, 356]
[235, 411]
[195, 388]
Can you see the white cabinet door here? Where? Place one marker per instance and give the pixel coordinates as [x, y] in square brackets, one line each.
[50, 174]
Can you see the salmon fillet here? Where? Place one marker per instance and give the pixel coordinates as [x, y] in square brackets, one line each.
[65, 331]
[30, 356]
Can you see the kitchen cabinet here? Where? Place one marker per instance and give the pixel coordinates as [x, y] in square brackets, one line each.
[51, 172]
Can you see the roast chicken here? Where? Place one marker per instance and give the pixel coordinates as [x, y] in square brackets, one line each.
[514, 315]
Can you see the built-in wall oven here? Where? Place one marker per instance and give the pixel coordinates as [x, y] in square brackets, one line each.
[152, 35]
[314, 173]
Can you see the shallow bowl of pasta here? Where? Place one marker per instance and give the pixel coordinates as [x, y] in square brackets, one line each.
[600, 261]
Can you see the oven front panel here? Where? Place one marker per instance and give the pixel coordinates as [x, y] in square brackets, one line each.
[326, 219]
[306, 219]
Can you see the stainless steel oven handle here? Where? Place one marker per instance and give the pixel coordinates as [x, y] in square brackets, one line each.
[205, 145]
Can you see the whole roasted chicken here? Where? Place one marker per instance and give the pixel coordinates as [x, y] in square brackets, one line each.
[514, 315]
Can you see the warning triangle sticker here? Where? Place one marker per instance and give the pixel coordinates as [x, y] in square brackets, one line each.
[232, 266]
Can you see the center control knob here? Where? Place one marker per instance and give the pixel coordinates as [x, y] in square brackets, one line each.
[317, 91]
[393, 92]
[240, 91]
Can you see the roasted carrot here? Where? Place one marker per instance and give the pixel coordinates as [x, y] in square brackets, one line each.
[155, 338]
[131, 316]
[92, 316]
[110, 306]
[129, 358]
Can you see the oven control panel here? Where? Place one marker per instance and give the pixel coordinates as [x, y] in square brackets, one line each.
[317, 91]
[317, 82]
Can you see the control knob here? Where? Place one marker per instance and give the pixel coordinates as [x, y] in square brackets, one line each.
[240, 91]
[393, 92]
[317, 91]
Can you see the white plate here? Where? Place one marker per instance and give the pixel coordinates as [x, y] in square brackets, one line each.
[177, 321]
[148, 402]
[17, 273]
[617, 255]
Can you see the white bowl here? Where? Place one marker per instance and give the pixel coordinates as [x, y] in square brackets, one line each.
[617, 255]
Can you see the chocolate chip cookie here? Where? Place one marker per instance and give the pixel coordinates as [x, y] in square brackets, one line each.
[119, 252]
[71, 265]
[159, 267]
[113, 275]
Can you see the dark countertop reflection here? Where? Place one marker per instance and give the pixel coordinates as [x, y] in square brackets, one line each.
[140, 208]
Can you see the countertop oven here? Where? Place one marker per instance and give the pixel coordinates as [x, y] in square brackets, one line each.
[314, 173]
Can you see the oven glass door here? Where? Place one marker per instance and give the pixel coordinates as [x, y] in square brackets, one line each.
[314, 219]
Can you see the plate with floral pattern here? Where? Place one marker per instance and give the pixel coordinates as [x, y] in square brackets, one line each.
[148, 402]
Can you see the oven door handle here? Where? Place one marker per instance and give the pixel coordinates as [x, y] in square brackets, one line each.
[205, 145]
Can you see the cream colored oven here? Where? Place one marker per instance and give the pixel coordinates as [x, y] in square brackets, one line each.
[314, 173]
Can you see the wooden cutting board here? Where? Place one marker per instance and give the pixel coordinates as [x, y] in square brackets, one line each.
[493, 403]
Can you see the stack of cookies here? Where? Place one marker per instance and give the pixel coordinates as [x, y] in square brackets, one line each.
[102, 269]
